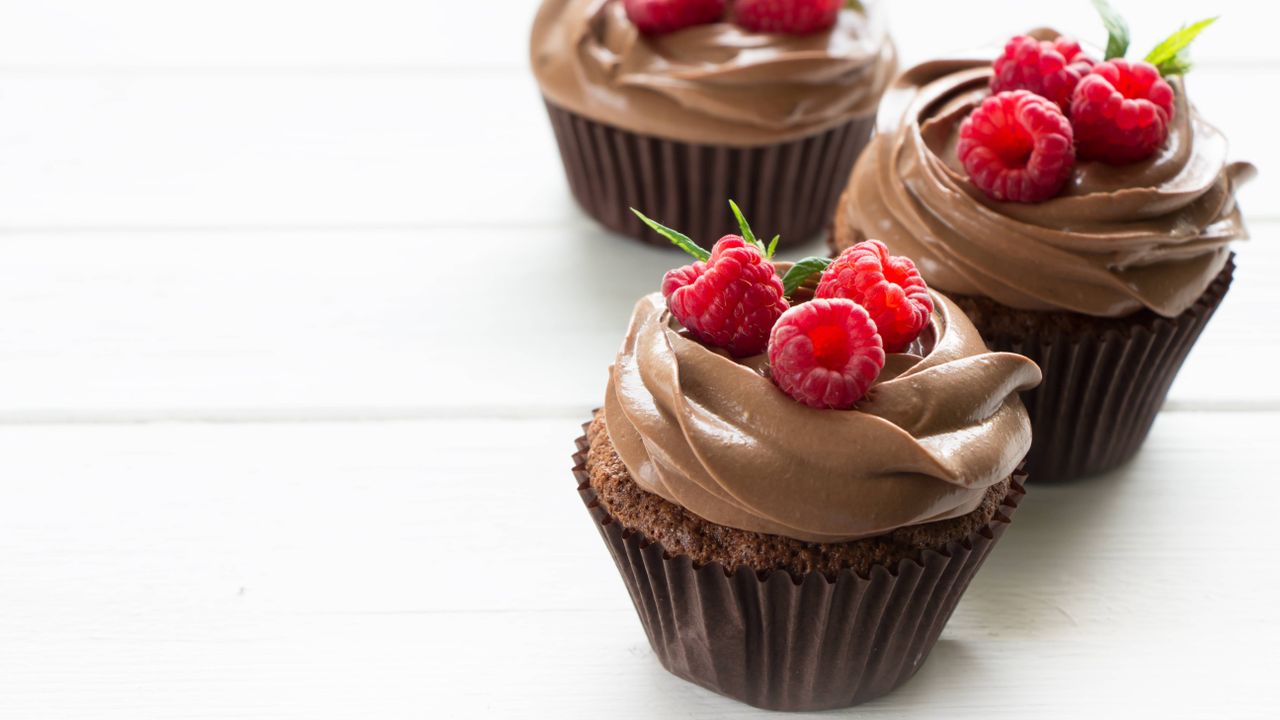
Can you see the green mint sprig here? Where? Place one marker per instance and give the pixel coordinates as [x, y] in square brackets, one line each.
[802, 271]
[1117, 29]
[743, 226]
[676, 237]
[749, 236]
[684, 242]
[1170, 57]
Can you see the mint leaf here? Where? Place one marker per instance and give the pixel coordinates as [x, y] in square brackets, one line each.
[1179, 65]
[773, 245]
[855, 5]
[801, 271]
[747, 235]
[678, 239]
[1170, 56]
[1117, 29]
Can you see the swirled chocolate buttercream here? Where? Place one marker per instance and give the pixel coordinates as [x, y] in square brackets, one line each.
[942, 423]
[713, 84]
[1119, 238]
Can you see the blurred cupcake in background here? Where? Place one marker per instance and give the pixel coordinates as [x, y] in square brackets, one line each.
[674, 105]
[1079, 210]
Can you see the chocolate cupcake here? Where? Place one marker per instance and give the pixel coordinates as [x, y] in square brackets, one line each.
[1106, 276]
[794, 511]
[676, 121]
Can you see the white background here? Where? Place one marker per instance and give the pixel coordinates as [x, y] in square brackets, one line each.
[297, 326]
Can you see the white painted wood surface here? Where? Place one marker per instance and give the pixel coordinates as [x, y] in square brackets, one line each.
[297, 324]
[446, 568]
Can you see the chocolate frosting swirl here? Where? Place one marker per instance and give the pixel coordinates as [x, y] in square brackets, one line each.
[712, 84]
[714, 435]
[1152, 234]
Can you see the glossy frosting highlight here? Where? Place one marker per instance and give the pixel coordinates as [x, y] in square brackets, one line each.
[711, 84]
[941, 425]
[1118, 239]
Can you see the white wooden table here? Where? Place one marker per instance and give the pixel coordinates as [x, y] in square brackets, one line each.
[297, 325]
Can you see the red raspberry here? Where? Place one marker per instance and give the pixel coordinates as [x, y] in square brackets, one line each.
[664, 16]
[1048, 69]
[730, 301]
[825, 353]
[1121, 112]
[1017, 146]
[889, 287]
[796, 17]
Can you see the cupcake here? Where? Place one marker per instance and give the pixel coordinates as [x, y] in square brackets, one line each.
[1077, 208]
[798, 481]
[674, 105]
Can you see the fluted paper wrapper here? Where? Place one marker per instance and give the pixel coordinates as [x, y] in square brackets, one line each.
[785, 643]
[789, 188]
[1101, 389]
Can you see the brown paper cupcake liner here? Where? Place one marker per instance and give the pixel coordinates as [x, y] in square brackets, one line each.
[788, 188]
[1104, 380]
[785, 643]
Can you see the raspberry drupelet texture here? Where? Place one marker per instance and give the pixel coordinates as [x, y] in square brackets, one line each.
[795, 17]
[825, 353]
[889, 287]
[663, 16]
[730, 301]
[1050, 69]
[1017, 146]
[1121, 112]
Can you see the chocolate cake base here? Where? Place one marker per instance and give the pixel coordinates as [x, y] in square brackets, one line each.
[1104, 378]
[681, 532]
[787, 188]
[759, 618]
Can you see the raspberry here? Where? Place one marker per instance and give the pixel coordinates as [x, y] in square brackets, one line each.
[664, 16]
[795, 17]
[889, 287]
[1017, 146]
[1048, 69]
[1121, 112]
[825, 353]
[729, 301]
